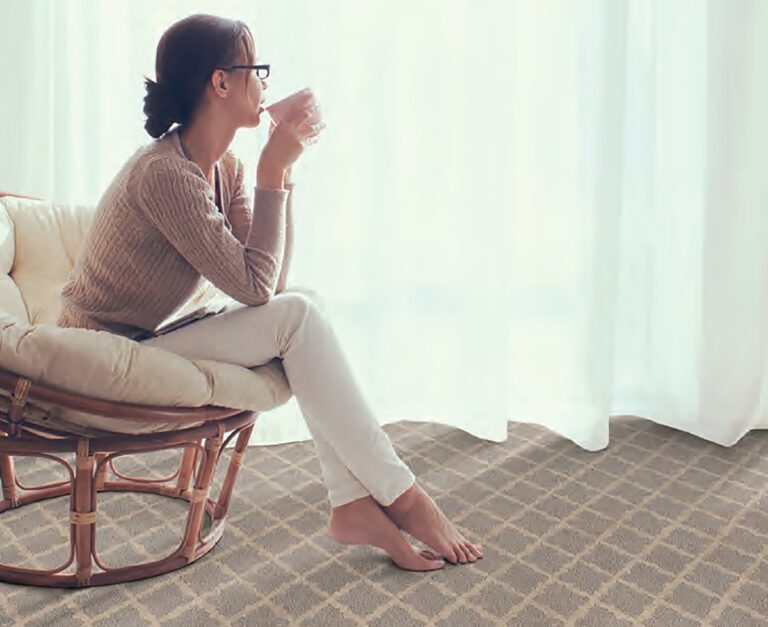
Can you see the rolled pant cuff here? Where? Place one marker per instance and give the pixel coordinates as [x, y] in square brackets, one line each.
[385, 497]
[347, 496]
[389, 495]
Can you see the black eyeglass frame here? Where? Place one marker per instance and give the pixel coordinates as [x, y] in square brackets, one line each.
[260, 66]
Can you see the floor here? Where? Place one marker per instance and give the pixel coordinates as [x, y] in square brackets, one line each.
[661, 528]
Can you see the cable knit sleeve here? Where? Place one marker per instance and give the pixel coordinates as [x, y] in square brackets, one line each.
[179, 203]
[239, 211]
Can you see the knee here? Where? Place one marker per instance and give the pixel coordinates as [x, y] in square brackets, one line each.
[317, 299]
[294, 302]
[309, 293]
[295, 309]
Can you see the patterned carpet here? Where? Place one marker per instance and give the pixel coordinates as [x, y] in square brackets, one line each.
[662, 528]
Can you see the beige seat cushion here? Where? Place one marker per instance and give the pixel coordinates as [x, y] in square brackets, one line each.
[106, 366]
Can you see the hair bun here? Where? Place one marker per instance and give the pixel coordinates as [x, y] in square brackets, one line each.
[159, 107]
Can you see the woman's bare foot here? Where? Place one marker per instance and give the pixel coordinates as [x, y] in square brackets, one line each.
[363, 522]
[416, 512]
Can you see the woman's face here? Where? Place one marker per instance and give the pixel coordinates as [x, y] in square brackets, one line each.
[245, 92]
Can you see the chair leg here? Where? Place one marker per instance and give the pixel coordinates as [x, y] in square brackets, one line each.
[82, 515]
[188, 459]
[101, 475]
[234, 468]
[8, 478]
[199, 497]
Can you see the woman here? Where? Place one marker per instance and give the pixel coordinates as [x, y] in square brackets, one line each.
[178, 212]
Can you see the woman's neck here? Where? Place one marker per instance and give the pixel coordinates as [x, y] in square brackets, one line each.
[205, 143]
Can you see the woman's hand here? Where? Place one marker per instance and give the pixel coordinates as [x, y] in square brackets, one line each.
[288, 138]
[288, 177]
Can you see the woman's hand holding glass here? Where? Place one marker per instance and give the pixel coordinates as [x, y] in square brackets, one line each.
[288, 138]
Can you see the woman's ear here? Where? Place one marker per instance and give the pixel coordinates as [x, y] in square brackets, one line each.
[219, 82]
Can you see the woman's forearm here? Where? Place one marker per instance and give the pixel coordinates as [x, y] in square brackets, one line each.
[288, 249]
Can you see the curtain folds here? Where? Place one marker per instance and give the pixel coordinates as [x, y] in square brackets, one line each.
[548, 212]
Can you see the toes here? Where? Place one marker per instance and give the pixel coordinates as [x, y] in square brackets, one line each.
[468, 551]
[430, 555]
[434, 555]
[461, 556]
[453, 553]
[477, 550]
[450, 555]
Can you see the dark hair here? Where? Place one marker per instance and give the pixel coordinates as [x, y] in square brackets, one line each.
[187, 54]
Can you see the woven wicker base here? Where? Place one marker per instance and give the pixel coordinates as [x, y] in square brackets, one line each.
[96, 472]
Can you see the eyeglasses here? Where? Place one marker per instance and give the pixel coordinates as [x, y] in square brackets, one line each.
[262, 70]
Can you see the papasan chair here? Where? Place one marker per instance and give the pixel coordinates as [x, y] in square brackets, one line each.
[94, 396]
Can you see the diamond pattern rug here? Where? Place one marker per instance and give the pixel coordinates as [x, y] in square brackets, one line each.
[662, 528]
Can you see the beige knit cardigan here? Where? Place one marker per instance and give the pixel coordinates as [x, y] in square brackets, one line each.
[157, 233]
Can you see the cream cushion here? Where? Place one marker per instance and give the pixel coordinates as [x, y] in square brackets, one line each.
[39, 243]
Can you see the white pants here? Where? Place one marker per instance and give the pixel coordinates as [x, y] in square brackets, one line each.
[356, 455]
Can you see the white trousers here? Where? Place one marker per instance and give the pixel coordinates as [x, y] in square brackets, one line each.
[356, 455]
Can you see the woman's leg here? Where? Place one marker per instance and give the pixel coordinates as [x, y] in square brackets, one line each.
[356, 455]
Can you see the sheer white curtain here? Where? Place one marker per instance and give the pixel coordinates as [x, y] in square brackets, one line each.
[548, 212]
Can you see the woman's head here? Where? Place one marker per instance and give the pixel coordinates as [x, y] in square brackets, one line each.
[189, 55]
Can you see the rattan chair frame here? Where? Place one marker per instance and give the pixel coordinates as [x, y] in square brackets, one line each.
[202, 446]
[94, 459]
